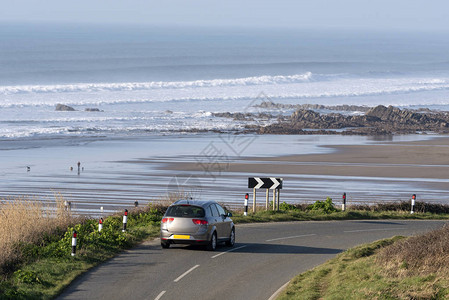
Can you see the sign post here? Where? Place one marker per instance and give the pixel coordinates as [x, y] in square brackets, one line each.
[267, 200]
[254, 200]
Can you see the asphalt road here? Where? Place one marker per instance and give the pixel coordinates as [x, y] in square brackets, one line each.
[264, 258]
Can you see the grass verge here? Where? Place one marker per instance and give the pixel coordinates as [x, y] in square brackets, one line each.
[358, 274]
[317, 215]
[47, 267]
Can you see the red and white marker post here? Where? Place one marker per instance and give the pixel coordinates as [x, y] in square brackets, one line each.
[100, 225]
[74, 236]
[343, 205]
[413, 203]
[125, 220]
[245, 213]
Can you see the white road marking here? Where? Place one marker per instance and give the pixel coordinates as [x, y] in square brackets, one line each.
[290, 237]
[233, 249]
[276, 294]
[160, 295]
[376, 229]
[187, 272]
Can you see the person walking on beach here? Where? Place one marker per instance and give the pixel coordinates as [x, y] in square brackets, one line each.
[79, 167]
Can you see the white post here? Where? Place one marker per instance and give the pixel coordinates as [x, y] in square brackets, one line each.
[267, 199]
[254, 200]
[278, 196]
[100, 225]
[413, 203]
[125, 220]
[74, 236]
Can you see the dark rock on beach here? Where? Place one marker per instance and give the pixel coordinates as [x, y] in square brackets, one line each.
[63, 107]
[379, 120]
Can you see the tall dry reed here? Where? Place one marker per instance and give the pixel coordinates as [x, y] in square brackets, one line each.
[419, 255]
[24, 220]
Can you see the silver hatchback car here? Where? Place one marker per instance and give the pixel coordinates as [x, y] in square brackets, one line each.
[197, 223]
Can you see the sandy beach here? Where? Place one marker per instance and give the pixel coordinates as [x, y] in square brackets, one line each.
[418, 159]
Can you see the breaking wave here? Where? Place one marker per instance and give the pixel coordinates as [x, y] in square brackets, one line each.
[153, 85]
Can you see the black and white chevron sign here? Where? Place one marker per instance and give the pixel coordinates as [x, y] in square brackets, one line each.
[264, 183]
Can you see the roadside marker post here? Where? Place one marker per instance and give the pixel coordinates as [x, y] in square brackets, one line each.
[100, 225]
[413, 203]
[343, 206]
[74, 236]
[246, 205]
[125, 220]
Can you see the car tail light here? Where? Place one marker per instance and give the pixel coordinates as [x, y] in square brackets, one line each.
[167, 220]
[199, 222]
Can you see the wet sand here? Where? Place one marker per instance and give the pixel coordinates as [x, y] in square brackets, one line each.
[420, 159]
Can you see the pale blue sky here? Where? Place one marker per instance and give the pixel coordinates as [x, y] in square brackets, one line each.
[427, 15]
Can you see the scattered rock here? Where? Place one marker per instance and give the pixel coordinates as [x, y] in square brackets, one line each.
[92, 109]
[63, 107]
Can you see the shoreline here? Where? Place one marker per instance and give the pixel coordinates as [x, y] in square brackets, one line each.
[118, 171]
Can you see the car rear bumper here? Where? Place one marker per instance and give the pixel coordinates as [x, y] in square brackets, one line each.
[167, 237]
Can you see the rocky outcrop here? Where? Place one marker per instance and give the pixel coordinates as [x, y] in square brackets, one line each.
[379, 120]
[271, 105]
[63, 107]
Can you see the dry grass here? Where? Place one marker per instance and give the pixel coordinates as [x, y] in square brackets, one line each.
[24, 220]
[420, 255]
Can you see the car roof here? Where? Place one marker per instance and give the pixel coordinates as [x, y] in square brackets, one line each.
[202, 203]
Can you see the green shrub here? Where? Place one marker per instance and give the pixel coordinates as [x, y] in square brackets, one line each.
[29, 277]
[286, 206]
[325, 206]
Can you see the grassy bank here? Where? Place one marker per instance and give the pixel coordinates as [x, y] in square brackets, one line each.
[397, 268]
[326, 210]
[40, 268]
[35, 263]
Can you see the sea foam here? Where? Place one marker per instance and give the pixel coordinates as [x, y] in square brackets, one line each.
[153, 85]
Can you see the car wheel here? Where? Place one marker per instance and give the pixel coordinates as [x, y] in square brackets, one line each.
[213, 242]
[165, 245]
[231, 241]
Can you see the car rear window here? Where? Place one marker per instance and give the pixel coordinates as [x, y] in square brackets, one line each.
[185, 211]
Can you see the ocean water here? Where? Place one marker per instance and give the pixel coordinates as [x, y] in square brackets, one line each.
[154, 80]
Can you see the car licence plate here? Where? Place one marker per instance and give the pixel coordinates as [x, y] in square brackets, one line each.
[181, 237]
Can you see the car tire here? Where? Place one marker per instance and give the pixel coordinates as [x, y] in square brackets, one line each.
[231, 241]
[213, 242]
[165, 245]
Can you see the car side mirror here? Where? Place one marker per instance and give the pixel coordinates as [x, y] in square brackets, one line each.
[229, 215]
